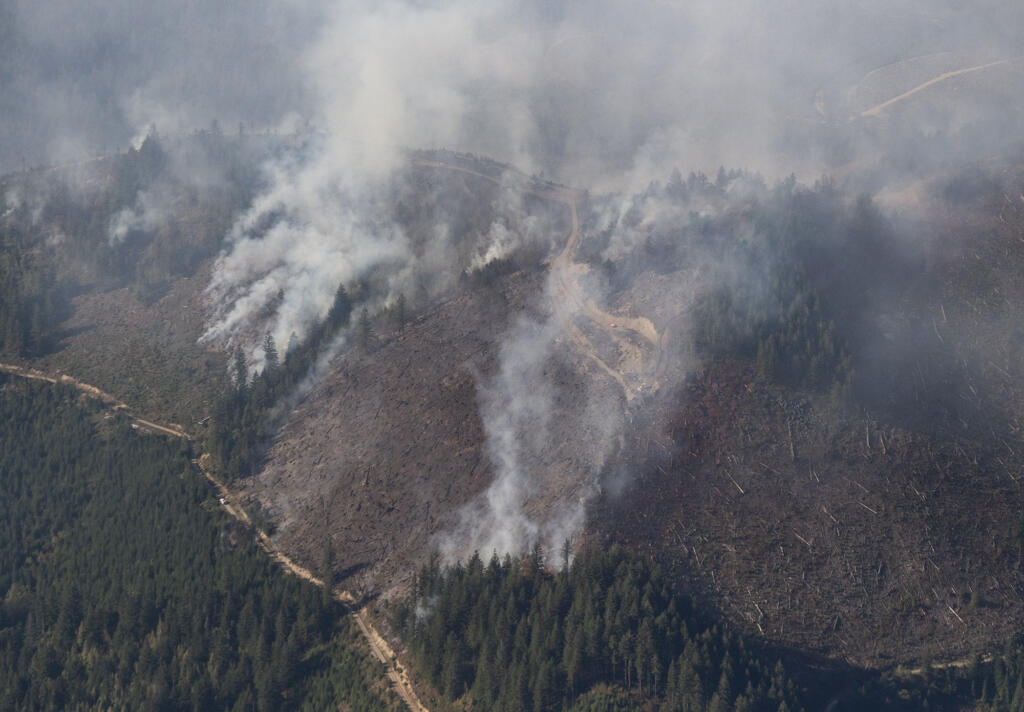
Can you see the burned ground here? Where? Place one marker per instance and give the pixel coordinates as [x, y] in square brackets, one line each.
[145, 353]
[374, 465]
[881, 528]
[826, 530]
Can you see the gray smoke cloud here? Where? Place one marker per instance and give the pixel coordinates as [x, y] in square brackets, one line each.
[321, 224]
[568, 88]
[83, 78]
[148, 213]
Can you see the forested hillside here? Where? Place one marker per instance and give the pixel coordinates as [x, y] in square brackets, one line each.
[607, 633]
[122, 586]
[510, 636]
[33, 301]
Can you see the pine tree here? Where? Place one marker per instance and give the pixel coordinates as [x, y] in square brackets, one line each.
[341, 309]
[365, 331]
[241, 370]
[572, 661]
[450, 682]
[269, 354]
[399, 311]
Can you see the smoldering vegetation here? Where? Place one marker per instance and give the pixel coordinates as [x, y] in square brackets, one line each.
[453, 232]
[414, 235]
[817, 367]
[142, 219]
[816, 285]
[552, 89]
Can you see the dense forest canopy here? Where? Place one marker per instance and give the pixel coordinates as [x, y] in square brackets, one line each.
[123, 586]
[508, 635]
[607, 633]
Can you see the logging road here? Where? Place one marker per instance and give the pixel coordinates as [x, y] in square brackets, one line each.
[396, 672]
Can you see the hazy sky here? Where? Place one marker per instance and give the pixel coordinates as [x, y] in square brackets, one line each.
[569, 87]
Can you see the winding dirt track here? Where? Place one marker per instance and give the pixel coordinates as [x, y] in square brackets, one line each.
[378, 645]
[567, 292]
[879, 108]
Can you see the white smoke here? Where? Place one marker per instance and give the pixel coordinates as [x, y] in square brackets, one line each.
[597, 95]
[512, 229]
[148, 213]
[532, 500]
[317, 227]
[516, 409]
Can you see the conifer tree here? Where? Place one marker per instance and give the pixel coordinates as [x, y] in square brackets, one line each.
[341, 308]
[269, 354]
[241, 370]
[399, 311]
[365, 331]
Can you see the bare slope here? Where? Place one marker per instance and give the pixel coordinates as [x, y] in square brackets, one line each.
[145, 353]
[879, 534]
[378, 459]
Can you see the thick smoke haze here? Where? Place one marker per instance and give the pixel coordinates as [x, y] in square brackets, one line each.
[579, 90]
[602, 95]
[81, 78]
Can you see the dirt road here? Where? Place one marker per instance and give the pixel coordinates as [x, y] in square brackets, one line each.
[878, 109]
[567, 291]
[396, 672]
[91, 391]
